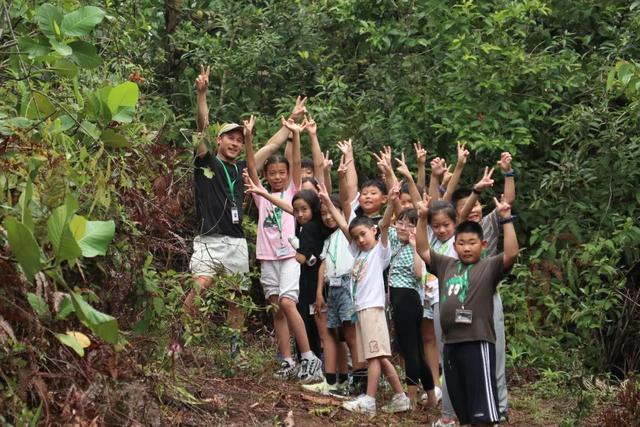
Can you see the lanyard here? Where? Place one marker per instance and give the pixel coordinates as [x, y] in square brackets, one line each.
[334, 256]
[277, 216]
[356, 274]
[231, 184]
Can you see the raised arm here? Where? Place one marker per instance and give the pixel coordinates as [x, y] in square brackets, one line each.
[422, 240]
[438, 168]
[421, 156]
[509, 177]
[510, 252]
[311, 127]
[417, 261]
[406, 174]
[463, 155]
[327, 163]
[347, 177]
[279, 138]
[202, 113]
[335, 213]
[320, 303]
[385, 222]
[291, 125]
[386, 166]
[485, 182]
[248, 148]
[253, 188]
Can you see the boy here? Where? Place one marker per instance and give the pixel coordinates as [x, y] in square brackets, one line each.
[371, 257]
[466, 312]
[467, 204]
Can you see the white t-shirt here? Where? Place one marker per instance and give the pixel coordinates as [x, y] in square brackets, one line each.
[430, 282]
[336, 254]
[367, 275]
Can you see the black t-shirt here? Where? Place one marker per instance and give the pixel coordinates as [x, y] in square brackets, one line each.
[213, 197]
[311, 236]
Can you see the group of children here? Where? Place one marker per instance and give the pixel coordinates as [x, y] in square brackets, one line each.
[331, 262]
[336, 266]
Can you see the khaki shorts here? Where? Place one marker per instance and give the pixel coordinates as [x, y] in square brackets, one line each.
[372, 334]
[213, 255]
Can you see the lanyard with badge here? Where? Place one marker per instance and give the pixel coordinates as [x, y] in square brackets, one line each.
[332, 253]
[281, 250]
[458, 285]
[356, 279]
[235, 213]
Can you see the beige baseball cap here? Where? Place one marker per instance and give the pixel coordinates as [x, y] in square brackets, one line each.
[228, 127]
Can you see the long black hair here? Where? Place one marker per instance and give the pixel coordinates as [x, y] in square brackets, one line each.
[312, 200]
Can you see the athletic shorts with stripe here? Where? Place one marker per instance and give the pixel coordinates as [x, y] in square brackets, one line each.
[470, 373]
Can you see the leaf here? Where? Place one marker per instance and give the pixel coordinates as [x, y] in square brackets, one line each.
[85, 54]
[105, 326]
[64, 244]
[46, 16]
[65, 68]
[25, 247]
[82, 338]
[71, 341]
[93, 237]
[23, 202]
[8, 127]
[82, 21]
[60, 47]
[66, 308]
[38, 304]
[90, 129]
[34, 47]
[39, 107]
[123, 95]
[611, 78]
[124, 115]
[207, 172]
[113, 139]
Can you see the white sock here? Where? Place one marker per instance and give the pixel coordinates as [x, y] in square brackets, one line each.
[307, 355]
[289, 360]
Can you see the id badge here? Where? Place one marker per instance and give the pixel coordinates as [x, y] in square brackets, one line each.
[235, 215]
[282, 251]
[464, 316]
[312, 309]
[335, 282]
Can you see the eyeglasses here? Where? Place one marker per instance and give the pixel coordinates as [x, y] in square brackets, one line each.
[404, 225]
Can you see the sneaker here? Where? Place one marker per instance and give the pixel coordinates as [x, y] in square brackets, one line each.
[323, 387]
[363, 404]
[504, 416]
[286, 371]
[443, 422]
[343, 391]
[310, 371]
[399, 403]
[425, 397]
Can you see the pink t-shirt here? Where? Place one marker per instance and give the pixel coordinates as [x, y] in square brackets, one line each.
[274, 227]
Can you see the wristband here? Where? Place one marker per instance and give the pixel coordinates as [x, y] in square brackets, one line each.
[441, 189]
[503, 221]
[478, 192]
[511, 174]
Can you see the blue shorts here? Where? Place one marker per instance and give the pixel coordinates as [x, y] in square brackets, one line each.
[339, 303]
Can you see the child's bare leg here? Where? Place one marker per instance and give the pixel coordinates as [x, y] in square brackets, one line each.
[343, 365]
[329, 344]
[373, 375]
[296, 324]
[391, 374]
[202, 283]
[349, 331]
[431, 351]
[281, 329]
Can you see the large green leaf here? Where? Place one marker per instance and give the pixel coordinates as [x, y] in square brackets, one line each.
[82, 21]
[65, 68]
[24, 246]
[93, 237]
[46, 16]
[84, 54]
[113, 139]
[123, 95]
[63, 242]
[34, 47]
[25, 210]
[71, 341]
[39, 107]
[105, 326]
[124, 115]
[61, 47]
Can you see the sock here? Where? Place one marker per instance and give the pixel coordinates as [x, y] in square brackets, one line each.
[331, 378]
[343, 377]
[307, 355]
[289, 360]
[360, 378]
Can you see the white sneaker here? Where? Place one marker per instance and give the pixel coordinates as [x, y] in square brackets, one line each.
[399, 403]
[286, 371]
[322, 387]
[310, 371]
[425, 397]
[363, 404]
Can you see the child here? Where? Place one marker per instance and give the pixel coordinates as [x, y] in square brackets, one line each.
[372, 334]
[280, 270]
[468, 206]
[466, 293]
[337, 312]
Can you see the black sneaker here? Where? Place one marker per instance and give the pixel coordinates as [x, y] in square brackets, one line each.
[310, 370]
[286, 371]
[344, 391]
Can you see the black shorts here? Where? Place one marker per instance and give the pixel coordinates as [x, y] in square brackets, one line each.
[470, 373]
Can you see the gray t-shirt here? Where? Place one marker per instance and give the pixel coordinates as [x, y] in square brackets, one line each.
[491, 230]
[468, 287]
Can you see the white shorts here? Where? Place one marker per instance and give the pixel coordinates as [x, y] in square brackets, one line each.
[217, 254]
[280, 277]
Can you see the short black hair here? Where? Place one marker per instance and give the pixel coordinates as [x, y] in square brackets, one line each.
[374, 182]
[441, 206]
[410, 214]
[404, 189]
[335, 199]
[361, 220]
[275, 159]
[312, 180]
[470, 227]
[459, 194]
[306, 163]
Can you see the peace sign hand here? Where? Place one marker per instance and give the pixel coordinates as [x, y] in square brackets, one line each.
[249, 125]
[421, 153]
[503, 208]
[202, 81]
[486, 181]
[402, 167]
[423, 206]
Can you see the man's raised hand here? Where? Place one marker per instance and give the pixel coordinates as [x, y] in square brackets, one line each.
[292, 125]
[249, 125]
[202, 81]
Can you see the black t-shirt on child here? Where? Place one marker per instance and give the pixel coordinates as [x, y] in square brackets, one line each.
[311, 236]
[213, 196]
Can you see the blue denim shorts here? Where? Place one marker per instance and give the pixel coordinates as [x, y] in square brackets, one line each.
[339, 303]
